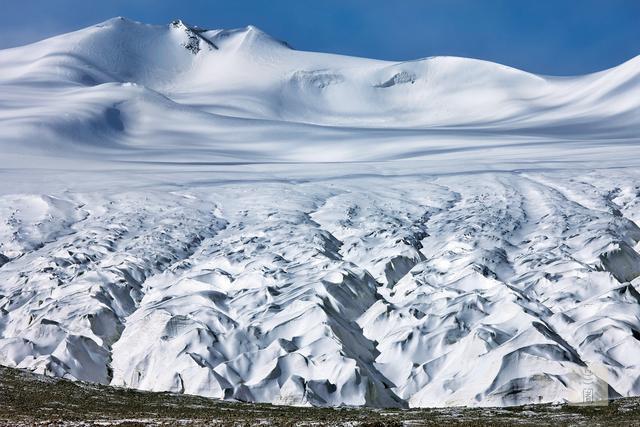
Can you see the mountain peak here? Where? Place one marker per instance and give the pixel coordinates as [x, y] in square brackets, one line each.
[195, 40]
[245, 36]
[119, 20]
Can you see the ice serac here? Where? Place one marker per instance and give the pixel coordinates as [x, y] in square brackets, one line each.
[213, 212]
[501, 297]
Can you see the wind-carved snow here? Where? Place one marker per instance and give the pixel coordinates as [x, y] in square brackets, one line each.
[399, 78]
[319, 79]
[212, 212]
[489, 290]
[65, 302]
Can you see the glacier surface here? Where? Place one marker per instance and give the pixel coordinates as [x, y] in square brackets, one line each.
[213, 212]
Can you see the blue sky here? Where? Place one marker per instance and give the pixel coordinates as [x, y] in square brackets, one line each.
[559, 37]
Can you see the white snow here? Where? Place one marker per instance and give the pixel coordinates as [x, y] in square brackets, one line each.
[213, 212]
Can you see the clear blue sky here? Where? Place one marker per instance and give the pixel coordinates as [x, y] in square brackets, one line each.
[559, 37]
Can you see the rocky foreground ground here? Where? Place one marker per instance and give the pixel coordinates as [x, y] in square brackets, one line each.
[28, 399]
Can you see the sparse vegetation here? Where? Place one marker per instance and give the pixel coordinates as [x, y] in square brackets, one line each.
[28, 399]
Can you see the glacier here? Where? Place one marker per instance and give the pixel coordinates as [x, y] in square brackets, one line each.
[213, 212]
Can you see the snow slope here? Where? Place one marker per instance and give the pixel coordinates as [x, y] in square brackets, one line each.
[122, 86]
[213, 212]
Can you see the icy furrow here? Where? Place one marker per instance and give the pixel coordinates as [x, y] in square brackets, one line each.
[64, 305]
[29, 222]
[479, 289]
[266, 313]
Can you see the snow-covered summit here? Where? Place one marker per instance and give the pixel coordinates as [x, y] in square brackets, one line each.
[125, 86]
[247, 73]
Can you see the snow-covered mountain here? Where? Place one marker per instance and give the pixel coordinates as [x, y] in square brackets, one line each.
[213, 212]
[124, 85]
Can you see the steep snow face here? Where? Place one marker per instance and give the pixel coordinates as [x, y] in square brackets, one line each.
[213, 212]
